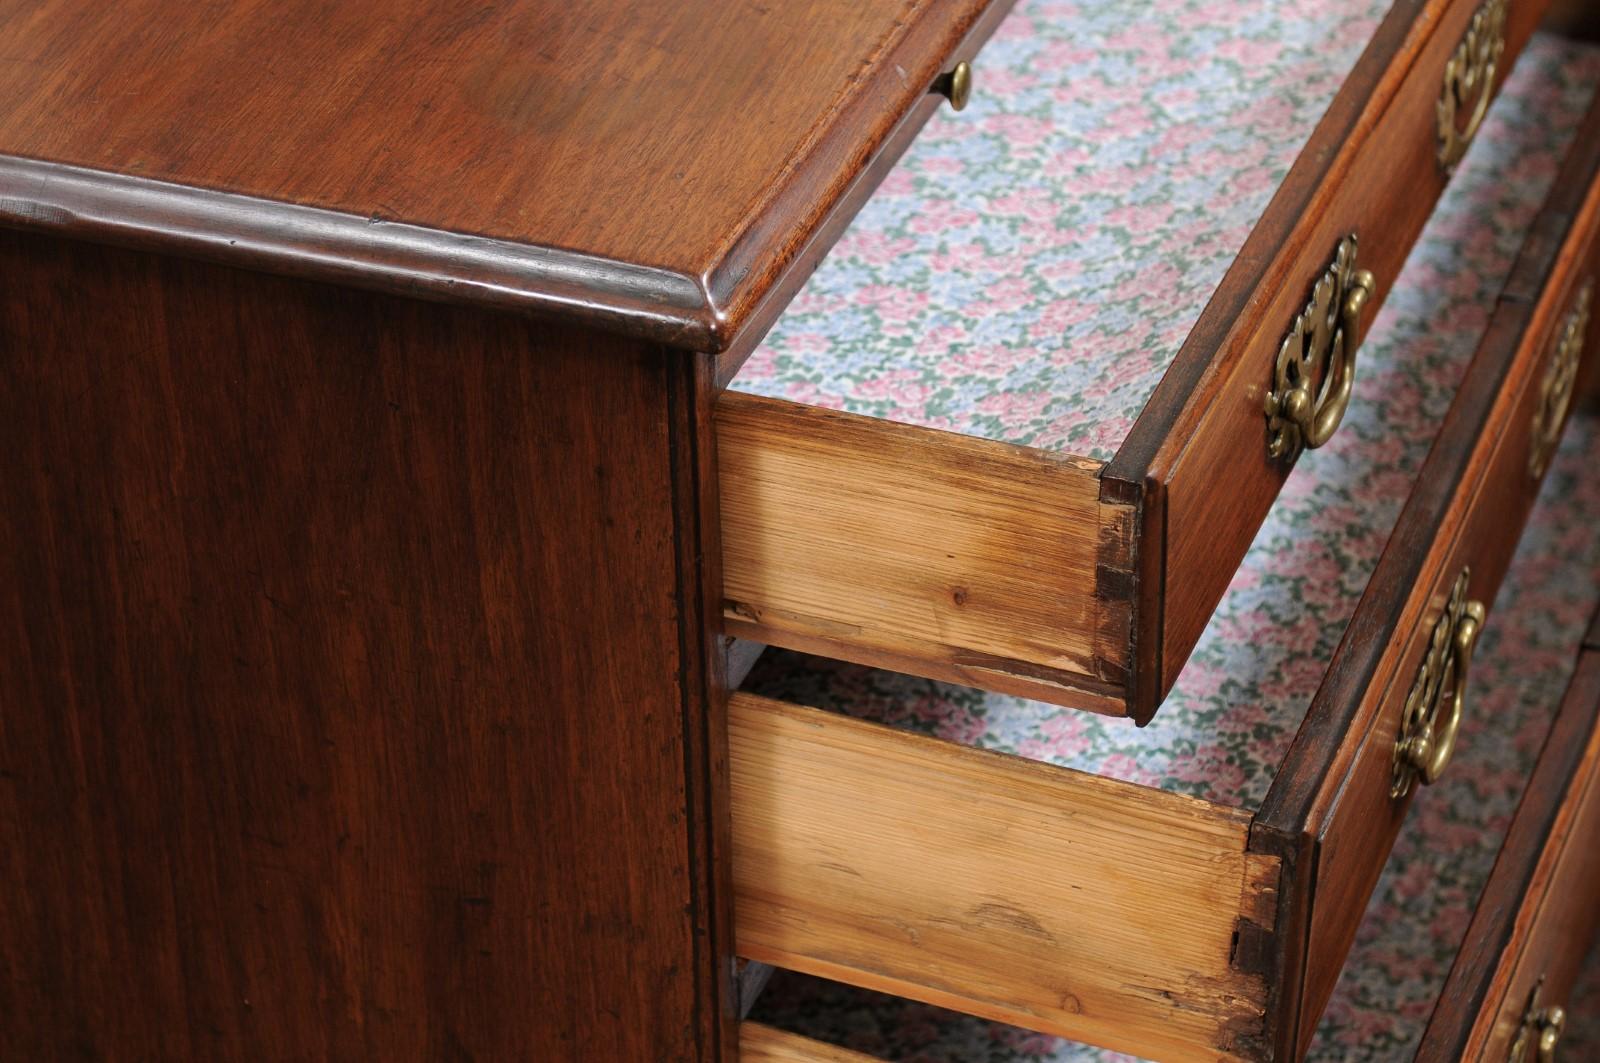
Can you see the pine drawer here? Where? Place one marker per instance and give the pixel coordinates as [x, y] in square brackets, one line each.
[1079, 565]
[1085, 904]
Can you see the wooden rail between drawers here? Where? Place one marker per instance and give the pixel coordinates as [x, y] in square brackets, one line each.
[1064, 902]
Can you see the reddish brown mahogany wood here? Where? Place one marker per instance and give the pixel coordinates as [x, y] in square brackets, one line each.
[1328, 812]
[1492, 948]
[653, 167]
[1203, 425]
[353, 656]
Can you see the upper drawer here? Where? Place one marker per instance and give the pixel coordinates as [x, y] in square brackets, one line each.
[979, 446]
[1190, 889]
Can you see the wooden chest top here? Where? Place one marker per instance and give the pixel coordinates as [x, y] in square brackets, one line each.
[654, 165]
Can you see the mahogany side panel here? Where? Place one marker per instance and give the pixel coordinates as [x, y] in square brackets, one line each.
[354, 664]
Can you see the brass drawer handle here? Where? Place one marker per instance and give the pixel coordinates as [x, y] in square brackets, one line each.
[955, 86]
[1555, 393]
[1431, 718]
[1539, 1032]
[1315, 372]
[1469, 81]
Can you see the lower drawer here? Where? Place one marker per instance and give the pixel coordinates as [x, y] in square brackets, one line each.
[1514, 965]
[1094, 905]
[1510, 986]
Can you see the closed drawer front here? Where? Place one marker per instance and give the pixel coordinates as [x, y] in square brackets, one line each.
[1536, 920]
[1464, 520]
[967, 546]
[1097, 908]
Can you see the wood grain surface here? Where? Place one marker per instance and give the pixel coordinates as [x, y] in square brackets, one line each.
[1536, 917]
[1472, 497]
[1204, 426]
[651, 167]
[355, 694]
[1059, 901]
[763, 1044]
[962, 559]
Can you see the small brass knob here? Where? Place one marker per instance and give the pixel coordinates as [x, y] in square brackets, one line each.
[956, 86]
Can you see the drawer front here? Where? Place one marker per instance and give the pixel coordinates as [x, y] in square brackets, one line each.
[1373, 171]
[1537, 916]
[1341, 799]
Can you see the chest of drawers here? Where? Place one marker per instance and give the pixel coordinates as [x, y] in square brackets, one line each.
[469, 468]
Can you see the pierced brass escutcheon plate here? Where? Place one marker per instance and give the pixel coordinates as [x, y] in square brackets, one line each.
[1431, 718]
[1314, 375]
[1469, 77]
[1540, 1030]
[1555, 392]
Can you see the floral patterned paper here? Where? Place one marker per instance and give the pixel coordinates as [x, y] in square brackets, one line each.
[1240, 698]
[1029, 269]
[1420, 910]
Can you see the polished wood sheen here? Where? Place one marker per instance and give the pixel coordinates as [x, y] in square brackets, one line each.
[1329, 814]
[354, 677]
[1538, 913]
[652, 167]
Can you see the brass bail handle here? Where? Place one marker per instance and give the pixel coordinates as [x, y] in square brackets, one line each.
[1540, 1031]
[1469, 77]
[955, 85]
[1431, 719]
[1320, 346]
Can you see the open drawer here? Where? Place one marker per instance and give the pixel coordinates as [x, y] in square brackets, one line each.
[1023, 424]
[1189, 890]
[1509, 969]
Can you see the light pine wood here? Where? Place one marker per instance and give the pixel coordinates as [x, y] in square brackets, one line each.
[1056, 900]
[958, 558]
[763, 1044]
